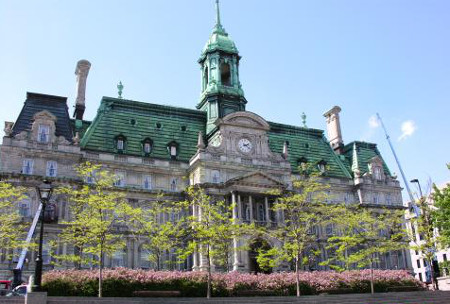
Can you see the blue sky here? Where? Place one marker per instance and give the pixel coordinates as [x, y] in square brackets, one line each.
[390, 57]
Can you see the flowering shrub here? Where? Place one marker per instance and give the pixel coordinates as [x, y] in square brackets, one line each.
[123, 281]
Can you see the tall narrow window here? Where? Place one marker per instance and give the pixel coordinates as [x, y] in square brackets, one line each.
[147, 182]
[377, 173]
[147, 148]
[27, 166]
[120, 144]
[52, 168]
[43, 133]
[24, 209]
[172, 148]
[206, 78]
[225, 74]
[215, 176]
[261, 213]
[173, 184]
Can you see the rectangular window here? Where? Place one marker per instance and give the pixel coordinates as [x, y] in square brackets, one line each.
[147, 182]
[24, 209]
[444, 256]
[418, 263]
[420, 277]
[120, 179]
[43, 133]
[173, 151]
[376, 198]
[120, 144]
[27, 166]
[52, 168]
[173, 184]
[388, 199]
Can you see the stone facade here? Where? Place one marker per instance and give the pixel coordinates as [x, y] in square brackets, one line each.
[235, 154]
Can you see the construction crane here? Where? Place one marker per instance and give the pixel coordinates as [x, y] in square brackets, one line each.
[18, 269]
[405, 181]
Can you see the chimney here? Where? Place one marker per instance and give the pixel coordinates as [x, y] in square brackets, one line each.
[334, 129]
[82, 71]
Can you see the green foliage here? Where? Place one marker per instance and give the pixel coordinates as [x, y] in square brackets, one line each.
[12, 231]
[97, 211]
[211, 229]
[304, 209]
[444, 268]
[161, 224]
[441, 198]
[363, 235]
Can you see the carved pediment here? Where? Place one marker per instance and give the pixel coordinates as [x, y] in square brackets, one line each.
[246, 119]
[44, 115]
[257, 179]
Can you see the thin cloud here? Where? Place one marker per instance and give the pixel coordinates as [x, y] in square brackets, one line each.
[408, 129]
[373, 122]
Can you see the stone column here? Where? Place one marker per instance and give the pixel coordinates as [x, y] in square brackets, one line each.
[250, 202]
[236, 261]
[239, 207]
[266, 206]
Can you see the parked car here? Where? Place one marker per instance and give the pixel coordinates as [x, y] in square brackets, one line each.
[5, 287]
[19, 291]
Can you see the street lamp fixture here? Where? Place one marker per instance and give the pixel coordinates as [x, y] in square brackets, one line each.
[44, 194]
[418, 183]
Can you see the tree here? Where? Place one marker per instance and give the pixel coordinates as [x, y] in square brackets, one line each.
[97, 211]
[12, 231]
[423, 234]
[161, 224]
[441, 198]
[363, 235]
[304, 209]
[211, 229]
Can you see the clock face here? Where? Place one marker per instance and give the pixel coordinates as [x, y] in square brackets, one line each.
[245, 145]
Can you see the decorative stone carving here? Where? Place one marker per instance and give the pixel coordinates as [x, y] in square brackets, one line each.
[22, 135]
[44, 118]
[8, 128]
[76, 139]
[63, 141]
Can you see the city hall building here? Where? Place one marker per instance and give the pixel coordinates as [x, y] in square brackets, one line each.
[235, 154]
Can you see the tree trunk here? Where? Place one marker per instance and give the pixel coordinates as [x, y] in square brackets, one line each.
[297, 275]
[372, 289]
[208, 292]
[100, 277]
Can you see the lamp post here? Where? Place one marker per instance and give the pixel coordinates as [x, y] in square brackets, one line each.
[420, 188]
[44, 193]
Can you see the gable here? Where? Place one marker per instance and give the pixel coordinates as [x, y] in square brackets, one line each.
[366, 153]
[258, 179]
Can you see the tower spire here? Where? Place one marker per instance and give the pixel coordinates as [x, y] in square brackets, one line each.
[218, 14]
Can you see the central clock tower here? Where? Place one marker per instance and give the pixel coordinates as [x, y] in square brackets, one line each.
[222, 92]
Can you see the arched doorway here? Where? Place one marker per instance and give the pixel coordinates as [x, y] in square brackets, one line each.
[255, 246]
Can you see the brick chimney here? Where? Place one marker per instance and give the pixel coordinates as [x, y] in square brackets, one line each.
[81, 71]
[334, 129]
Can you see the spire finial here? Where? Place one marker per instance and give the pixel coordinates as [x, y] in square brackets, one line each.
[120, 89]
[218, 14]
[304, 120]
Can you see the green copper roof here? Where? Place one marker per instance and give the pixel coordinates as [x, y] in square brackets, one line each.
[363, 152]
[137, 121]
[307, 144]
[219, 39]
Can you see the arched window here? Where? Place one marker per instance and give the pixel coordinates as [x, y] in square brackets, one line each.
[206, 78]
[225, 74]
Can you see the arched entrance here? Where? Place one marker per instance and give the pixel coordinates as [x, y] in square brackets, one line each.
[255, 246]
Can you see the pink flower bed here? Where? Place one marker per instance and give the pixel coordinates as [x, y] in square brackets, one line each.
[226, 283]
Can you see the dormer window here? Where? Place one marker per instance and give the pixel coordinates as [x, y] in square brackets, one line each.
[172, 148]
[147, 146]
[377, 173]
[322, 166]
[120, 143]
[302, 163]
[43, 133]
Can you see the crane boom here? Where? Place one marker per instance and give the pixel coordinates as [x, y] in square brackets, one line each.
[405, 181]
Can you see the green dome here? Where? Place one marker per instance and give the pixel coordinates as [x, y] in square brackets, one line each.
[219, 40]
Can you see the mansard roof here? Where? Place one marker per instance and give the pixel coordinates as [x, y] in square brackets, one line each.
[365, 152]
[306, 143]
[137, 121]
[56, 105]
